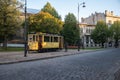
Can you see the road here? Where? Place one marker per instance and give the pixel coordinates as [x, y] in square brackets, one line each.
[98, 65]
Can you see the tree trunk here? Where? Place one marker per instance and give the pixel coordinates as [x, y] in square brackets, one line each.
[116, 43]
[102, 45]
[5, 32]
[5, 42]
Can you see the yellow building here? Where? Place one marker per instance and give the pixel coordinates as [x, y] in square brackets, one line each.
[110, 18]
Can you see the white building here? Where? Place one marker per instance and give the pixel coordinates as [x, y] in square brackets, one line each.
[85, 32]
[88, 24]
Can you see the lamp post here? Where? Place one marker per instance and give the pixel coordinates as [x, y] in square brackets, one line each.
[83, 5]
[25, 31]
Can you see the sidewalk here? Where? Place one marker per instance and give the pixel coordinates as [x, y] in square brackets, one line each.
[15, 57]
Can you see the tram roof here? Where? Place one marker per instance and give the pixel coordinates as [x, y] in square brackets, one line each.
[47, 34]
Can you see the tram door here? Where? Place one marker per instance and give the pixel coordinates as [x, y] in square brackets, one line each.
[40, 42]
[32, 42]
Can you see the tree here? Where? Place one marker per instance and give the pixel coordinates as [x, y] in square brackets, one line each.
[70, 29]
[44, 22]
[51, 10]
[115, 32]
[100, 33]
[9, 19]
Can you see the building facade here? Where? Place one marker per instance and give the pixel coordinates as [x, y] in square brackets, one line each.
[85, 32]
[88, 24]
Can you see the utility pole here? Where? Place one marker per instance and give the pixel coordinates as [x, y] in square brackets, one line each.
[25, 31]
[83, 5]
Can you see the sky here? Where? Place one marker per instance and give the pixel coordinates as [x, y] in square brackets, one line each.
[63, 7]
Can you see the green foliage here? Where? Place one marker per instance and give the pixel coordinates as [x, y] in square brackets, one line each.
[44, 22]
[94, 36]
[47, 21]
[9, 20]
[1, 39]
[51, 10]
[115, 31]
[70, 29]
[100, 33]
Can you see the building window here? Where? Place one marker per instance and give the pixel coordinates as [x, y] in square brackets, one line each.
[81, 30]
[109, 22]
[87, 30]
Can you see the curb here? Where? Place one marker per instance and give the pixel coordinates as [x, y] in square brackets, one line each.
[50, 57]
[5, 63]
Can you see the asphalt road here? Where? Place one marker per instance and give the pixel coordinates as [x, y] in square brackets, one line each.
[99, 65]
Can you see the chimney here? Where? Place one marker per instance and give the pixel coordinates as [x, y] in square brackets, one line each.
[112, 13]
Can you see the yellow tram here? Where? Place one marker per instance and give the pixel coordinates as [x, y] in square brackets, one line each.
[44, 42]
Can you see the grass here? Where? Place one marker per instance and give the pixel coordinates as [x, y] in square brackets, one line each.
[94, 48]
[90, 48]
[22, 49]
[11, 49]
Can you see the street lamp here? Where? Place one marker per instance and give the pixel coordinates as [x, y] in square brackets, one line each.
[83, 5]
[25, 31]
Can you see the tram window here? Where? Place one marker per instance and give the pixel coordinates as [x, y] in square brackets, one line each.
[36, 38]
[40, 38]
[51, 39]
[30, 39]
[46, 38]
[55, 39]
[33, 37]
